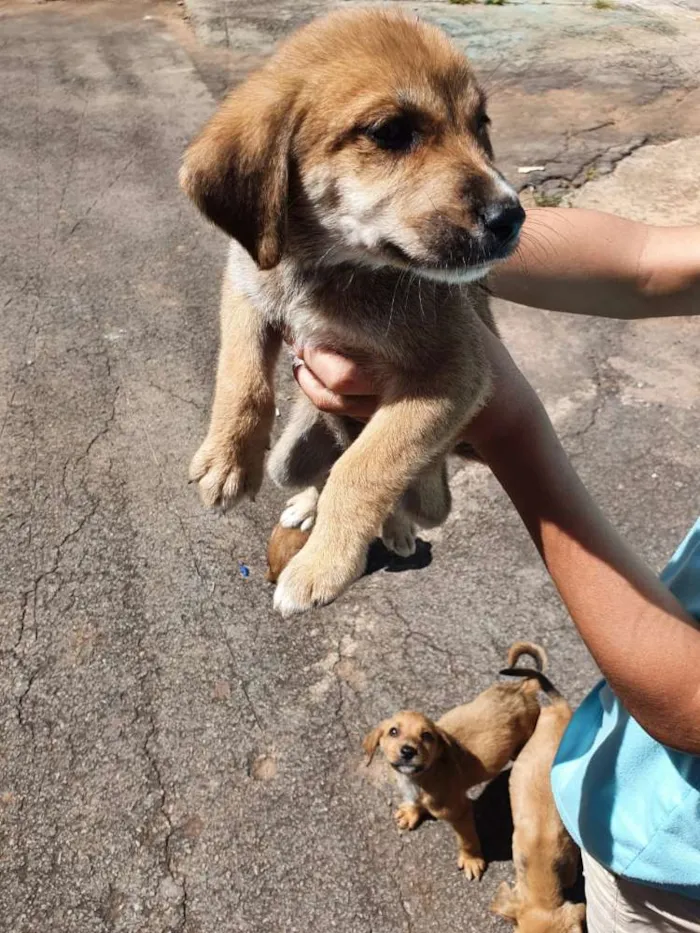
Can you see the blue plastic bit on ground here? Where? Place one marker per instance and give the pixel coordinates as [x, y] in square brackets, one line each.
[243, 569]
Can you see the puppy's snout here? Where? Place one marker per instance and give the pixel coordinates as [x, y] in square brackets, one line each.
[503, 220]
[408, 752]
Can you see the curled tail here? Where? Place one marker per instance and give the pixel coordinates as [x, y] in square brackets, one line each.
[536, 674]
[536, 652]
[544, 682]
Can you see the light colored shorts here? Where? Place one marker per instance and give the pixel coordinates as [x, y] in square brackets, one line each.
[617, 905]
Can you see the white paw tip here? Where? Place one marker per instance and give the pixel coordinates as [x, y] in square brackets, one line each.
[290, 519]
[285, 606]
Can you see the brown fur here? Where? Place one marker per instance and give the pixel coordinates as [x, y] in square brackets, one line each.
[327, 222]
[284, 543]
[545, 857]
[469, 744]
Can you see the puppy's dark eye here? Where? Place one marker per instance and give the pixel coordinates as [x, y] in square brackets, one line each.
[397, 134]
[426, 737]
[483, 122]
[393, 732]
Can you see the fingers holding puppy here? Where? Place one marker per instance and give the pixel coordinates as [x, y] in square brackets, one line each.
[335, 383]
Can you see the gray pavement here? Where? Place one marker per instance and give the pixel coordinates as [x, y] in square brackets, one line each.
[572, 88]
[174, 756]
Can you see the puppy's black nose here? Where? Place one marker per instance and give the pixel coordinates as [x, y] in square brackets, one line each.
[407, 752]
[503, 219]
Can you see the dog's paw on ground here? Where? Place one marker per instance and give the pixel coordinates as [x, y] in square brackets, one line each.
[472, 866]
[407, 816]
[399, 535]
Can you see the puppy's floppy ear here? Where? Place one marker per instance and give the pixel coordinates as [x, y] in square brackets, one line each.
[370, 742]
[237, 170]
[445, 739]
[505, 903]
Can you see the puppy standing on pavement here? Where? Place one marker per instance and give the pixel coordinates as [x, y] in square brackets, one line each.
[355, 174]
[438, 762]
[546, 858]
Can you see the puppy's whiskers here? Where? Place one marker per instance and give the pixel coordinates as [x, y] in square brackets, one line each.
[325, 255]
[393, 299]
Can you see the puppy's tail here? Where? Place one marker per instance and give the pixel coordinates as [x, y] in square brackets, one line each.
[544, 682]
[536, 652]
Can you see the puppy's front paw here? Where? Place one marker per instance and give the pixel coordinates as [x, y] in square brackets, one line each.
[399, 534]
[315, 577]
[472, 866]
[408, 816]
[226, 471]
[301, 510]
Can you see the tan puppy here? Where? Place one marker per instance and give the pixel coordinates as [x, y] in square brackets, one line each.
[546, 858]
[355, 175]
[437, 762]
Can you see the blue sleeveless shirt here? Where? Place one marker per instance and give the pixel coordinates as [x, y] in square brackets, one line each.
[630, 802]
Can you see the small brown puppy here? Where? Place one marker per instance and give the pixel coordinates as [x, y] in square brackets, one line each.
[546, 858]
[355, 176]
[436, 763]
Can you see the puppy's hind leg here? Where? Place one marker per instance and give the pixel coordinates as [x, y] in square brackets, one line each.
[399, 533]
[426, 502]
[307, 448]
[428, 499]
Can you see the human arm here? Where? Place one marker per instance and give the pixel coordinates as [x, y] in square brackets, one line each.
[588, 262]
[572, 260]
[639, 635]
[644, 642]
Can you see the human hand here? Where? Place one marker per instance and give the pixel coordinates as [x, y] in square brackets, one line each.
[341, 386]
[335, 383]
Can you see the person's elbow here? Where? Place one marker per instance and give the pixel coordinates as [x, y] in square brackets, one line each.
[667, 277]
[680, 731]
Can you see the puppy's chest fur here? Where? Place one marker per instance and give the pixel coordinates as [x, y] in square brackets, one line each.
[387, 315]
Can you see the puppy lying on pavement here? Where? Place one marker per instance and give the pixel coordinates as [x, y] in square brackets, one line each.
[436, 763]
[355, 176]
[546, 858]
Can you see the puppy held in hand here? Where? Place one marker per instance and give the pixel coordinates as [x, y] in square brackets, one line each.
[436, 763]
[355, 176]
[546, 858]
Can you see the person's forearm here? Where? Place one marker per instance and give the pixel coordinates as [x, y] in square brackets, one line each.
[641, 638]
[588, 262]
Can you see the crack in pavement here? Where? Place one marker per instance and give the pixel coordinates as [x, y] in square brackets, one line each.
[410, 632]
[179, 398]
[392, 871]
[599, 402]
[603, 163]
[206, 600]
[179, 880]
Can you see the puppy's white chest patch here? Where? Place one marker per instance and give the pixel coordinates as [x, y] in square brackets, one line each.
[408, 788]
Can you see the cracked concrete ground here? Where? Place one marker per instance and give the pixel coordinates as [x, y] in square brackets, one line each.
[595, 83]
[174, 756]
